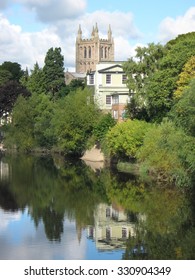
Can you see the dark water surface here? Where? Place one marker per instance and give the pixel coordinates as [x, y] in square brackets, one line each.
[54, 209]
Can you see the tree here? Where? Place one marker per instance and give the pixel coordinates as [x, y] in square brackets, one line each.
[187, 74]
[105, 123]
[74, 118]
[53, 72]
[139, 70]
[162, 85]
[9, 93]
[124, 139]
[5, 76]
[168, 154]
[183, 112]
[35, 81]
[14, 68]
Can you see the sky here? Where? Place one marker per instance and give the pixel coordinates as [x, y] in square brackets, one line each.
[28, 28]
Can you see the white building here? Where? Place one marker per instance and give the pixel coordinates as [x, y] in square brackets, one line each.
[110, 90]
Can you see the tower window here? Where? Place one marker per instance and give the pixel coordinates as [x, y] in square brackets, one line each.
[89, 52]
[102, 52]
[105, 52]
[85, 52]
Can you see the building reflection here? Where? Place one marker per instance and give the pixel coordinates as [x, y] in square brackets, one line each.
[112, 227]
[4, 170]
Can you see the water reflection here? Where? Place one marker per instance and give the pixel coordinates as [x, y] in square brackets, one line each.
[56, 209]
[112, 227]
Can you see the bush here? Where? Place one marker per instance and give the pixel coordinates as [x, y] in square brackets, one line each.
[124, 139]
[169, 154]
[101, 128]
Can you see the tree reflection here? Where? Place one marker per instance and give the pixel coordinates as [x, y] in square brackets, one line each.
[54, 190]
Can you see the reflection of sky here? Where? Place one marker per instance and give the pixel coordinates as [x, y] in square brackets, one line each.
[19, 239]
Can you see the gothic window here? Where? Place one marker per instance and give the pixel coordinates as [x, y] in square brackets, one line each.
[105, 52]
[89, 52]
[85, 52]
[108, 52]
[102, 52]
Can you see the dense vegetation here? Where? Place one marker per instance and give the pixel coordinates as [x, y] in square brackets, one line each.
[159, 134]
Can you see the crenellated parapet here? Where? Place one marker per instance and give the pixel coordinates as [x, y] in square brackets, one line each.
[93, 50]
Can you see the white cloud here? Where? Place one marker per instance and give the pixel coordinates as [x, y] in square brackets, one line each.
[122, 23]
[171, 28]
[23, 47]
[50, 11]
[27, 48]
[7, 217]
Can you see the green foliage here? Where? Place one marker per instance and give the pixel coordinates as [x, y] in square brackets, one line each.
[162, 85]
[53, 71]
[101, 128]
[153, 77]
[139, 72]
[31, 123]
[185, 77]
[9, 93]
[35, 81]
[5, 76]
[73, 122]
[14, 68]
[124, 139]
[168, 154]
[20, 132]
[183, 112]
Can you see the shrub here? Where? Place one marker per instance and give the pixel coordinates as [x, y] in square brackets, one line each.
[124, 139]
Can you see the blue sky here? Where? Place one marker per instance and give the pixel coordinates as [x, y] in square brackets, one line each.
[28, 28]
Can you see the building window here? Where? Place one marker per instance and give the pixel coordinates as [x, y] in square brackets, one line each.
[108, 212]
[85, 52]
[105, 52]
[89, 52]
[108, 78]
[108, 233]
[124, 232]
[115, 114]
[124, 79]
[102, 52]
[115, 99]
[108, 99]
[91, 232]
[91, 79]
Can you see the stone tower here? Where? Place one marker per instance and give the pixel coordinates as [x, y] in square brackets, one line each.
[91, 51]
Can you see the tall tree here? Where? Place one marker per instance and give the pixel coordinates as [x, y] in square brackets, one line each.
[14, 68]
[53, 71]
[139, 70]
[185, 77]
[5, 76]
[35, 81]
[163, 83]
[9, 93]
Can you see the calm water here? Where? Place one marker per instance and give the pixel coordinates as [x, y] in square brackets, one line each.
[54, 209]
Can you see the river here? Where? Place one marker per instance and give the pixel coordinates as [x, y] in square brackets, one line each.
[54, 209]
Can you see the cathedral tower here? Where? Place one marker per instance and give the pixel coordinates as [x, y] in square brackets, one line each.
[91, 51]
